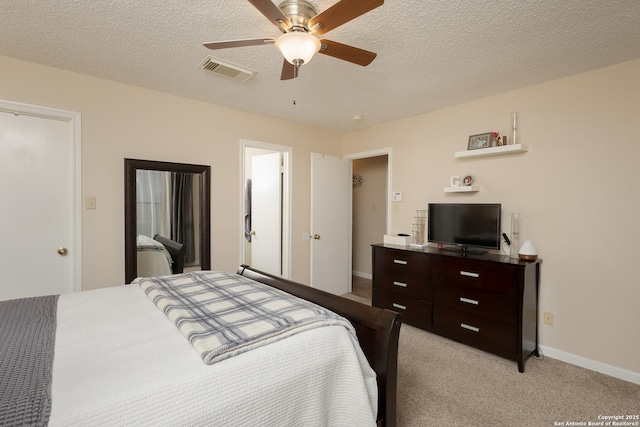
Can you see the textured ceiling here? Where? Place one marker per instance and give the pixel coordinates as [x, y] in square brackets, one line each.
[431, 53]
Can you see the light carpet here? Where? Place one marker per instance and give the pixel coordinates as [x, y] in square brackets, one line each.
[444, 383]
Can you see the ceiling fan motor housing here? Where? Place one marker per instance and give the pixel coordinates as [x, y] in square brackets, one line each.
[299, 13]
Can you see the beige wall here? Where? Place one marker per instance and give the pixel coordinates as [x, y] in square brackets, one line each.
[576, 190]
[121, 121]
[576, 187]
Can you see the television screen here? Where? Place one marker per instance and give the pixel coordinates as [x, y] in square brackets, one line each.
[465, 224]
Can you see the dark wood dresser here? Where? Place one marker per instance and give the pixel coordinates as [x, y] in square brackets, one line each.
[486, 301]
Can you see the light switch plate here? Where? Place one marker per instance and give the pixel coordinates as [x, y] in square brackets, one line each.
[397, 196]
[91, 202]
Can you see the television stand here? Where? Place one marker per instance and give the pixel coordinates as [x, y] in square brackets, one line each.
[487, 301]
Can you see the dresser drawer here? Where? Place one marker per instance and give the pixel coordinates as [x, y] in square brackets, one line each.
[480, 332]
[493, 305]
[493, 276]
[414, 311]
[402, 283]
[402, 261]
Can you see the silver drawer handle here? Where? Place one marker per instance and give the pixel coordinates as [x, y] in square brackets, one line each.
[469, 301]
[402, 285]
[469, 274]
[400, 306]
[469, 327]
[400, 261]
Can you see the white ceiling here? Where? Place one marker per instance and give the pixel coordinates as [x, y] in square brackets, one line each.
[431, 53]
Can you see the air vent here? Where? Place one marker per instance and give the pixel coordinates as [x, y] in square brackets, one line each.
[227, 69]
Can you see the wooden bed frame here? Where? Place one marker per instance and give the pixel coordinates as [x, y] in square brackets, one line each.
[378, 332]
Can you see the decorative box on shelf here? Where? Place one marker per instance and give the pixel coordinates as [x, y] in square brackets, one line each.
[390, 239]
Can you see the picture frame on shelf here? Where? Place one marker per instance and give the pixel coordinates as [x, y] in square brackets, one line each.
[482, 140]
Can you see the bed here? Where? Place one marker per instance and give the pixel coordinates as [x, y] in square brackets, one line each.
[159, 256]
[119, 361]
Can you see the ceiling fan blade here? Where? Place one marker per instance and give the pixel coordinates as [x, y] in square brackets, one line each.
[340, 13]
[273, 13]
[239, 43]
[288, 71]
[347, 53]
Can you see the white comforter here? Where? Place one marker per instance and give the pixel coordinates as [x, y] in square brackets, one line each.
[153, 259]
[120, 361]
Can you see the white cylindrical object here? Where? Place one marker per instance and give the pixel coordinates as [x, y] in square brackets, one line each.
[515, 235]
[515, 223]
[514, 129]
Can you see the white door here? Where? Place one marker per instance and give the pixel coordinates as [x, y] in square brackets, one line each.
[330, 223]
[38, 190]
[266, 213]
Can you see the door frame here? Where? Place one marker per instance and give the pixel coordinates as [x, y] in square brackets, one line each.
[74, 120]
[286, 198]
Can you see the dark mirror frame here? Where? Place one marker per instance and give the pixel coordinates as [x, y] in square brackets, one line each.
[131, 166]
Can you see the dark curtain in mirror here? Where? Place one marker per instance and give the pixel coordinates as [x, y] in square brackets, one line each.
[166, 202]
[182, 214]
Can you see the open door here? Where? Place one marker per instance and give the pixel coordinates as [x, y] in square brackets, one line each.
[266, 213]
[266, 207]
[330, 223]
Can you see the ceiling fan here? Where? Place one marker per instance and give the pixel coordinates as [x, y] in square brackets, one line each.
[299, 22]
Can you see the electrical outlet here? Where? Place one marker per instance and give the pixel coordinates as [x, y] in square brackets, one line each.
[548, 318]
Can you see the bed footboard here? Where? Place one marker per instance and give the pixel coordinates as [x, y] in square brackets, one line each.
[378, 332]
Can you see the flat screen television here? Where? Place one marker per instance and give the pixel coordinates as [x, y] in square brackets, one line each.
[465, 225]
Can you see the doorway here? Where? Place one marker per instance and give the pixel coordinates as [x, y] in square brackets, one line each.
[369, 199]
[266, 207]
[40, 178]
[371, 213]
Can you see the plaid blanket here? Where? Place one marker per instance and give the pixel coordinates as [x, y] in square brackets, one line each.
[224, 314]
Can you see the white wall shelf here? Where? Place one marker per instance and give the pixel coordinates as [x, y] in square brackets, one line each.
[493, 151]
[462, 189]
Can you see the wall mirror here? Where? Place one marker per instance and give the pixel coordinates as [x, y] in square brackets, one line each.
[167, 218]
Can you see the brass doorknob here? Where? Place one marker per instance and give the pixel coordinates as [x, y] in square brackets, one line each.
[252, 232]
[62, 251]
[316, 236]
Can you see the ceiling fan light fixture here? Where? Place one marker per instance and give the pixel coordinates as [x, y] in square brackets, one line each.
[298, 47]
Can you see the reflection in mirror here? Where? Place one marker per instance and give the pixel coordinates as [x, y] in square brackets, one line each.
[167, 214]
[166, 210]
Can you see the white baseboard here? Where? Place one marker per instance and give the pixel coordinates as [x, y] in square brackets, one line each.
[361, 274]
[583, 362]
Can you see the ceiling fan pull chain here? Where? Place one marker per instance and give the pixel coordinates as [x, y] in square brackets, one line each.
[297, 67]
